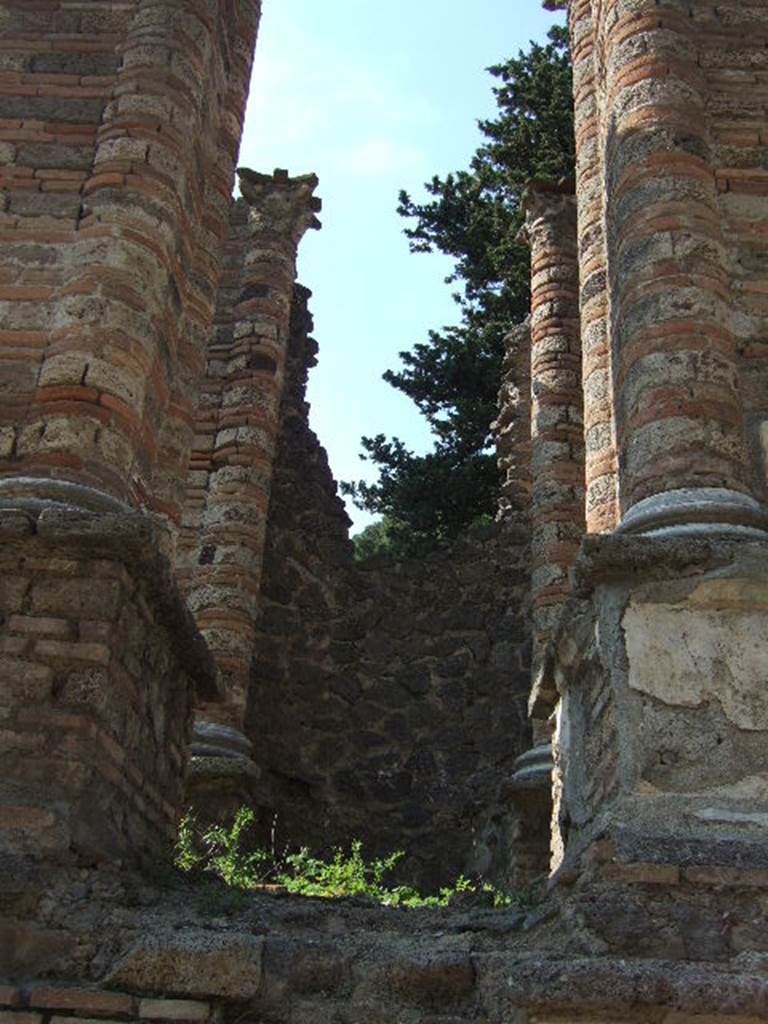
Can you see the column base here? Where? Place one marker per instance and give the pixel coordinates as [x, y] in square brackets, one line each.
[100, 661]
[701, 511]
[662, 728]
[222, 775]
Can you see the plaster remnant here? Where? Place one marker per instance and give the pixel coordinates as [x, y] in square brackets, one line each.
[685, 657]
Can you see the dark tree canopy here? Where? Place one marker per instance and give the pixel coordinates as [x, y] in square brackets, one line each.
[473, 216]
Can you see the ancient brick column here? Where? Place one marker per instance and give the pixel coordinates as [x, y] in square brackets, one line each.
[120, 125]
[601, 503]
[221, 550]
[658, 670]
[679, 418]
[557, 442]
[120, 137]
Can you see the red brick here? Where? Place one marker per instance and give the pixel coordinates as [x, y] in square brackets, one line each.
[82, 1001]
[67, 393]
[10, 996]
[38, 625]
[642, 874]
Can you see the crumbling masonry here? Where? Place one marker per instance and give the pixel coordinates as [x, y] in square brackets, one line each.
[181, 619]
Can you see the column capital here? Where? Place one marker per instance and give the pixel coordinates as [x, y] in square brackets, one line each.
[547, 201]
[280, 204]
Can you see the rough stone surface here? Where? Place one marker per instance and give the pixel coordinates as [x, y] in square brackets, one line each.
[98, 662]
[387, 702]
[589, 952]
[192, 963]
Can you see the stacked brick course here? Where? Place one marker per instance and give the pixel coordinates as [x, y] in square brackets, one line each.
[668, 162]
[601, 502]
[97, 656]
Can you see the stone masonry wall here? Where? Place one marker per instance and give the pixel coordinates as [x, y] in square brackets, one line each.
[97, 658]
[386, 702]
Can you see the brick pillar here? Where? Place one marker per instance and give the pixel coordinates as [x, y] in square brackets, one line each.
[221, 550]
[601, 503]
[658, 672]
[129, 231]
[679, 418]
[120, 127]
[557, 441]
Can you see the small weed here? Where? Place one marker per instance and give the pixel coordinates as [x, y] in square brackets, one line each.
[224, 852]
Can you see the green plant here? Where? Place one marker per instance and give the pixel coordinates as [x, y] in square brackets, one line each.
[222, 853]
[343, 875]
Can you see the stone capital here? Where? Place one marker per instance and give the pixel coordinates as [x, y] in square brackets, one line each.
[547, 203]
[281, 205]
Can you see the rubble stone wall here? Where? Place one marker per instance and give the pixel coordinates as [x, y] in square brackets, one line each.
[387, 702]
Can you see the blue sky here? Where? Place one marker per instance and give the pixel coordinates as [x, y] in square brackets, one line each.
[373, 97]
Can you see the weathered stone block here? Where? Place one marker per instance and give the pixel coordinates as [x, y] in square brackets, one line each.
[192, 962]
[82, 1001]
[445, 979]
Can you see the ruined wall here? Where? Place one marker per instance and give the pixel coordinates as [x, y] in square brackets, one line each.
[388, 702]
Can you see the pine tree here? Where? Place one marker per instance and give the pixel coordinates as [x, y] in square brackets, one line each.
[474, 216]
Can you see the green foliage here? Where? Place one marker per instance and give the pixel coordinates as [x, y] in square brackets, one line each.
[223, 853]
[342, 875]
[474, 216]
[375, 541]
